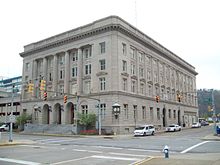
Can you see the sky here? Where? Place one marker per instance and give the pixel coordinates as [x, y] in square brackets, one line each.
[188, 28]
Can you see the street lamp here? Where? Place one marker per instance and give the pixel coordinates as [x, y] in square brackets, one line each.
[116, 111]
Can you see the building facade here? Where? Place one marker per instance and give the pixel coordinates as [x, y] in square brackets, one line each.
[106, 62]
[7, 87]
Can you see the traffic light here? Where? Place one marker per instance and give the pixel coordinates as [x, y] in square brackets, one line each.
[157, 98]
[179, 97]
[45, 96]
[42, 85]
[30, 87]
[65, 98]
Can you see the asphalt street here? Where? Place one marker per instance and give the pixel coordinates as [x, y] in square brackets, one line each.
[101, 150]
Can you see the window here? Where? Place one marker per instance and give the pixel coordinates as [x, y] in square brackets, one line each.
[124, 84]
[151, 114]
[169, 113]
[50, 77]
[132, 52]
[141, 72]
[85, 109]
[102, 64]
[74, 71]
[75, 56]
[144, 115]
[88, 68]
[87, 53]
[133, 86]
[103, 108]
[87, 87]
[50, 62]
[27, 66]
[124, 49]
[102, 83]
[132, 69]
[124, 66]
[102, 47]
[142, 88]
[158, 113]
[126, 111]
[174, 114]
[61, 89]
[135, 113]
[141, 57]
[61, 60]
[61, 74]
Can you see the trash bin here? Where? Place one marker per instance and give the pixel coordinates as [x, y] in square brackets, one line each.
[218, 130]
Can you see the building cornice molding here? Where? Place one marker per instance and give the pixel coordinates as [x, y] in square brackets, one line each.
[111, 26]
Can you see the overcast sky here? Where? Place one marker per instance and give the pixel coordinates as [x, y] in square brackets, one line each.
[189, 28]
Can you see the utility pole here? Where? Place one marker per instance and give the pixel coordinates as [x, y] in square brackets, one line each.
[214, 114]
[99, 111]
[11, 115]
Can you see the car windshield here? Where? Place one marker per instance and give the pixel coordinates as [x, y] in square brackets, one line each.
[139, 128]
[194, 123]
[171, 125]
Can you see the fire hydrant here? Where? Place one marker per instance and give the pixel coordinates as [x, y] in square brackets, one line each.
[166, 151]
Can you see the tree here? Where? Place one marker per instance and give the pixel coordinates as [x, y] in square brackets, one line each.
[22, 119]
[87, 120]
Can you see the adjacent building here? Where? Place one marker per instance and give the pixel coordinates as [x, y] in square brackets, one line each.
[108, 62]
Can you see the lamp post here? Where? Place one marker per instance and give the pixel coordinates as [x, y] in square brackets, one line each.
[116, 111]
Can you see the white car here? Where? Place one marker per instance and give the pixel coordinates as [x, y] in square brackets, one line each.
[196, 125]
[173, 128]
[4, 127]
[144, 130]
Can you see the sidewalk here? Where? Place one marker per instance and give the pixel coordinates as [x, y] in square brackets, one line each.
[184, 159]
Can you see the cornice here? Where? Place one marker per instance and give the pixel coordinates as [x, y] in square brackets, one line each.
[139, 37]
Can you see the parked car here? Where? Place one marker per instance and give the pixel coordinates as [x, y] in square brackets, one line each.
[173, 128]
[204, 123]
[144, 130]
[196, 125]
[4, 127]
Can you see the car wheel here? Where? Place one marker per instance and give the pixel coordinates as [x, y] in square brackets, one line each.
[1, 130]
[174, 130]
[152, 133]
[144, 133]
[180, 129]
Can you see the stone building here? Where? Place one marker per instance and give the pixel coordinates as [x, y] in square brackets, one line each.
[113, 62]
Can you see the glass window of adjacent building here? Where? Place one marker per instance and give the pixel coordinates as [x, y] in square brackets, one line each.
[151, 114]
[144, 115]
[102, 64]
[142, 88]
[133, 69]
[132, 53]
[158, 113]
[141, 72]
[135, 113]
[133, 84]
[87, 53]
[169, 113]
[174, 114]
[84, 109]
[102, 47]
[141, 57]
[102, 83]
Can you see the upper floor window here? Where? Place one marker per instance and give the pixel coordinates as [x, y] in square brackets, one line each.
[133, 69]
[124, 66]
[142, 88]
[61, 60]
[132, 52]
[124, 49]
[27, 66]
[141, 57]
[102, 47]
[124, 84]
[88, 69]
[141, 72]
[87, 53]
[102, 83]
[102, 64]
[126, 111]
[74, 71]
[61, 74]
[133, 86]
[74, 56]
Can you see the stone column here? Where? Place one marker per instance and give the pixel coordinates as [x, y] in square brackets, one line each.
[67, 72]
[45, 69]
[79, 71]
[55, 73]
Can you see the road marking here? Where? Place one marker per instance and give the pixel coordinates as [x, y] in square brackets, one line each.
[116, 148]
[133, 149]
[111, 157]
[116, 153]
[19, 161]
[142, 161]
[79, 150]
[190, 148]
[72, 160]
